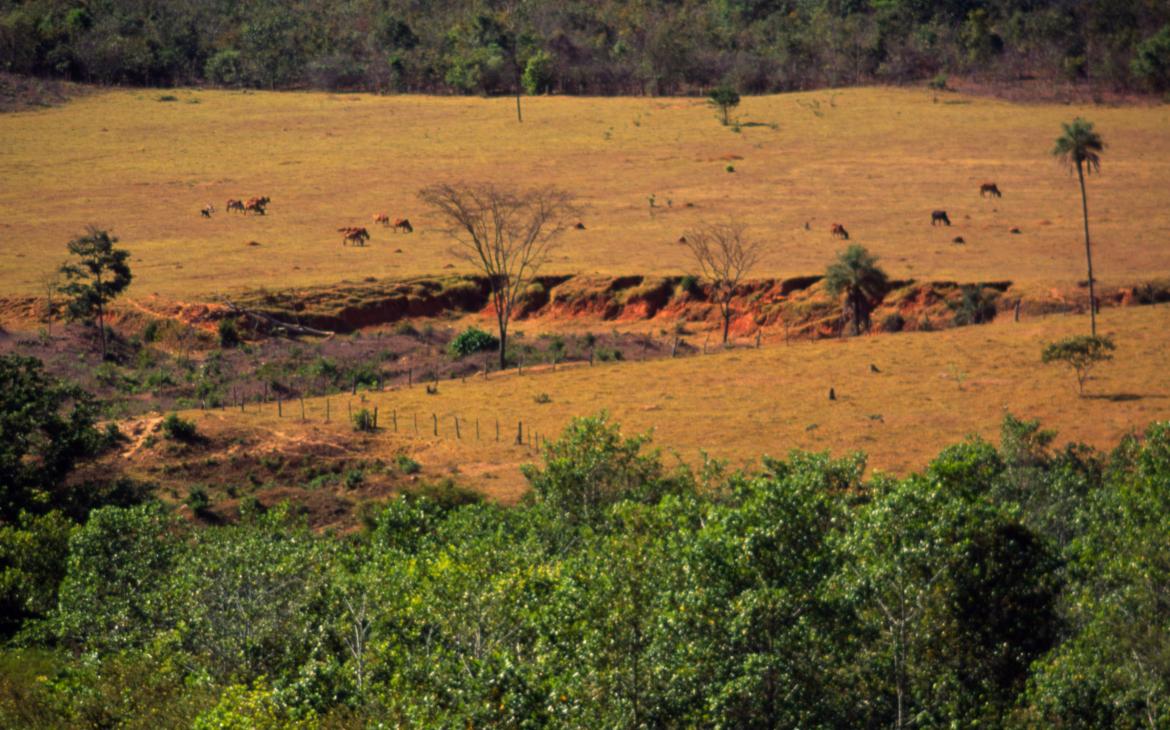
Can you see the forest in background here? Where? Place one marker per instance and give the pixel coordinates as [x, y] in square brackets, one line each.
[656, 47]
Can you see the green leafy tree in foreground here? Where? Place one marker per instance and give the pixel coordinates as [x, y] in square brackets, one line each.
[724, 98]
[98, 274]
[856, 273]
[1080, 353]
[1079, 147]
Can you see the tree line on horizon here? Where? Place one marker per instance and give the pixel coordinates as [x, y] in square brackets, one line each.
[655, 47]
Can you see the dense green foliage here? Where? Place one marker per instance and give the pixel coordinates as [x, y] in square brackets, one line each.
[94, 277]
[471, 341]
[1081, 353]
[1018, 585]
[579, 47]
[856, 274]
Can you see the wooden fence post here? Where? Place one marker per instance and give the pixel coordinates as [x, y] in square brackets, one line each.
[497, 429]
[436, 424]
[409, 377]
[477, 428]
[302, 407]
[326, 410]
[279, 407]
[519, 433]
[415, 424]
[457, 434]
[394, 415]
[375, 418]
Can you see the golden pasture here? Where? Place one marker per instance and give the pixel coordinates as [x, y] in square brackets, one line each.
[933, 389]
[876, 160]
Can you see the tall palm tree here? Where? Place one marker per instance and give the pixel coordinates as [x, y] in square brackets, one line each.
[856, 273]
[1079, 147]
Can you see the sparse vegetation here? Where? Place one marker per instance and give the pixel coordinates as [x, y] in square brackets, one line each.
[724, 98]
[177, 428]
[1081, 353]
[855, 273]
[407, 465]
[471, 341]
[725, 254]
[97, 275]
[363, 421]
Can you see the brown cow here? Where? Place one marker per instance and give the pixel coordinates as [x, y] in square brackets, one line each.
[354, 234]
[402, 224]
[839, 231]
[383, 218]
[939, 216]
[257, 205]
[989, 188]
[234, 204]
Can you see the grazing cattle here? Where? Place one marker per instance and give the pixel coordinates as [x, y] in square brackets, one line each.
[234, 204]
[939, 216]
[839, 231]
[207, 210]
[382, 218]
[1015, 231]
[257, 205]
[682, 239]
[580, 226]
[355, 235]
[402, 224]
[958, 239]
[989, 188]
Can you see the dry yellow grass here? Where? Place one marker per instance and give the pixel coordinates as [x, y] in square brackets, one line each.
[933, 389]
[877, 160]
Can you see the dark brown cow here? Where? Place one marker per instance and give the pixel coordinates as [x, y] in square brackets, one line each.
[839, 231]
[383, 218]
[234, 204]
[989, 188]
[402, 224]
[207, 210]
[939, 216]
[355, 235]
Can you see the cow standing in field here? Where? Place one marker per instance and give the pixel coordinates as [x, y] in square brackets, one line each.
[355, 235]
[383, 218]
[989, 188]
[939, 216]
[839, 231]
[257, 205]
[403, 224]
[234, 204]
[207, 210]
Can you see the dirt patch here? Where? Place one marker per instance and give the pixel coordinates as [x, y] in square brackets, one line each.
[26, 93]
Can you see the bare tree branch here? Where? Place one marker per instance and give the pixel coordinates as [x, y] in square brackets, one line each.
[505, 233]
[725, 254]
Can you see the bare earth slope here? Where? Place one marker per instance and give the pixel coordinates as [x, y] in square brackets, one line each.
[876, 160]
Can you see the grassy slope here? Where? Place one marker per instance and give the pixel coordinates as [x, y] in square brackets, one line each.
[933, 389]
[877, 160]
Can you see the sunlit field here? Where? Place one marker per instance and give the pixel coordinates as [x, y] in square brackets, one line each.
[876, 160]
[933, 389]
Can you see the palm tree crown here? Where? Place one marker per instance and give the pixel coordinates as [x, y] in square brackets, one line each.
[1079, 145]
[856, 272]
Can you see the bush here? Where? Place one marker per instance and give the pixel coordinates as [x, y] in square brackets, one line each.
[224, 68]
[447, 494]
[689, 284]
[150, 332]
[893, 323]
[198, 499]
[938, 83]
[1151, 62]
[974, 306]
[407, 465]
[364, 421]
[471, 340]
[229, 333]
[178, 428]
[404, 327]
[542, 398]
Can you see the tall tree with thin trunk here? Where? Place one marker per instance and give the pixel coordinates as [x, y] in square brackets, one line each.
[725, 254]
[505, 233]
[856, 273]
[1080, 147]
[98, 273]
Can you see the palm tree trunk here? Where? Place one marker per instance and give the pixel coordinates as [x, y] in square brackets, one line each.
[857, 314]
[1088, 252]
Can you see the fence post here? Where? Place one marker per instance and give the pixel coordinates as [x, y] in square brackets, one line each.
[302, 407]
[674, 347]
[457, 434]
[477, 428]
[394, 415]
[415, 424]
[519, 433]
[354, 391]
[409, 377]
[497, 429]
[375, 418]
[279, 407]
[436, 424]
[326, 410]
[349, 409]
[759, 335]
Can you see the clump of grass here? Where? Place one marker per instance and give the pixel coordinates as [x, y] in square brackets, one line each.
[198, 499]
[542, 398]
[730, 167]
[407, 465]
[363, 421]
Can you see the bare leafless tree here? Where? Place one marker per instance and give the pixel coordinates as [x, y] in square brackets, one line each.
[725, 255]
[505, 233]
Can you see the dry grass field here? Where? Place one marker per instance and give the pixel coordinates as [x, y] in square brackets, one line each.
[876, 160]
[933, 389]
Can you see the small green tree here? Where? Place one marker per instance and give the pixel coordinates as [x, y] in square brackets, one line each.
[1079, 148]
[1151, 62]
[724, 98]
[855, 272]
[98, 275]
[1081, 353]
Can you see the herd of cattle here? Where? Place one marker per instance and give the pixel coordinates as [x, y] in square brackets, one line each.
[357, 235]
[937, 217]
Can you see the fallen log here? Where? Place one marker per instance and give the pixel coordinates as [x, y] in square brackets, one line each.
[276, 323]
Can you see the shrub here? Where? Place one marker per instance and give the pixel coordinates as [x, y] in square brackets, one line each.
[178, 428]
[168, 97]
[471, 340]
[974, 306]
[1151, 62]
[730, 167]
[229, 333]
[543, 398]
[224, 68]
[404, 327]
[724, 98]
[363, 421]
[407, 465]
[198, 499]
[689, 284]
[893, 323]
[939, 82]
[447, 494]
[150, 332]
